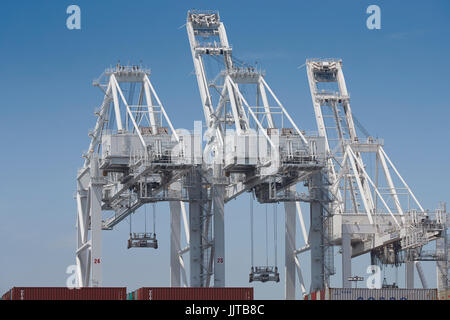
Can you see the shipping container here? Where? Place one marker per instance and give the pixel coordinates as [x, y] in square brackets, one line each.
[64, 293]
[130, 296]
[373, 294]
[444, 295]
[159, 293]
[7, 295]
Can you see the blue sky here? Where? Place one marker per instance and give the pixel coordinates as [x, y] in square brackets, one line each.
[397, 78]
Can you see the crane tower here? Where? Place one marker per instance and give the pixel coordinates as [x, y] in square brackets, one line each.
[255, 145]
[372, 211]
[358, 200]
[134, 158]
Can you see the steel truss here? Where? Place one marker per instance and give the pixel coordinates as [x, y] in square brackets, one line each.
[133, 159]
[393, 219]
[254, 143]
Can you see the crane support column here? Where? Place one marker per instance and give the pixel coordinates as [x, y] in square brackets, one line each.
[421, 275]
[219, 228]
[289, 247]
[346, 256]
[195, 226]
[95, 190]
[349, 230]
[83, 254]
[175, 247]
[316, 233]
[409, 273]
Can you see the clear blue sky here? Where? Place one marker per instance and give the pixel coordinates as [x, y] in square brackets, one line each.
[397, 78]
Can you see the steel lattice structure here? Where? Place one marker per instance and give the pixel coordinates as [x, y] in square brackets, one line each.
[132, 159]
[252, 146]
[388, 221]
[256, 147]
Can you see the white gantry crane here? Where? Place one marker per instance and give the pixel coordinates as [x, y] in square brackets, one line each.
[135, 157]
[358, 199]
[253, 145]
[373, 209]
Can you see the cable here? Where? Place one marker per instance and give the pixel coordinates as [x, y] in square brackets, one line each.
[396, 275]
[267, 240]
[275, 232]
[251, 228]
[360, 126]
[154, 219]
[130, 216]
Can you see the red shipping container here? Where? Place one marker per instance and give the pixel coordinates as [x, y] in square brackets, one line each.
[159, 293]
[7, 295]
[64, 293]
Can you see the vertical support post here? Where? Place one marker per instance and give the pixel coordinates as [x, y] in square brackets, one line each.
[96, 222]
[300, 276]
[442, 249]
[175, 239]
[390, 182]
[289, 247]
[148, 97]
[346, 256]
[116, 103]
[219, 227]
[83, 244]
[316, 233]
[441, 266]
[195, 226]
[409, 273]
[421, 275]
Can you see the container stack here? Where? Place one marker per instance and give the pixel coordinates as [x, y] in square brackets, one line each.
[64, 293]
[444, 295]
[158, 293]
[373, 294]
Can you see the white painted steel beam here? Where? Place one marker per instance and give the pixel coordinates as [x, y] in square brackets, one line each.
[175, 246]
[289, 247]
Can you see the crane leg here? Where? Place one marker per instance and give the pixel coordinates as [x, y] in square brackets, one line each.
[175, 234]
[290, 221]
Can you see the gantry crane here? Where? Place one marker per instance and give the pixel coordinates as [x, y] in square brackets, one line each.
[135, 157]
[371, 212]
[252, 145]
[255, 145]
